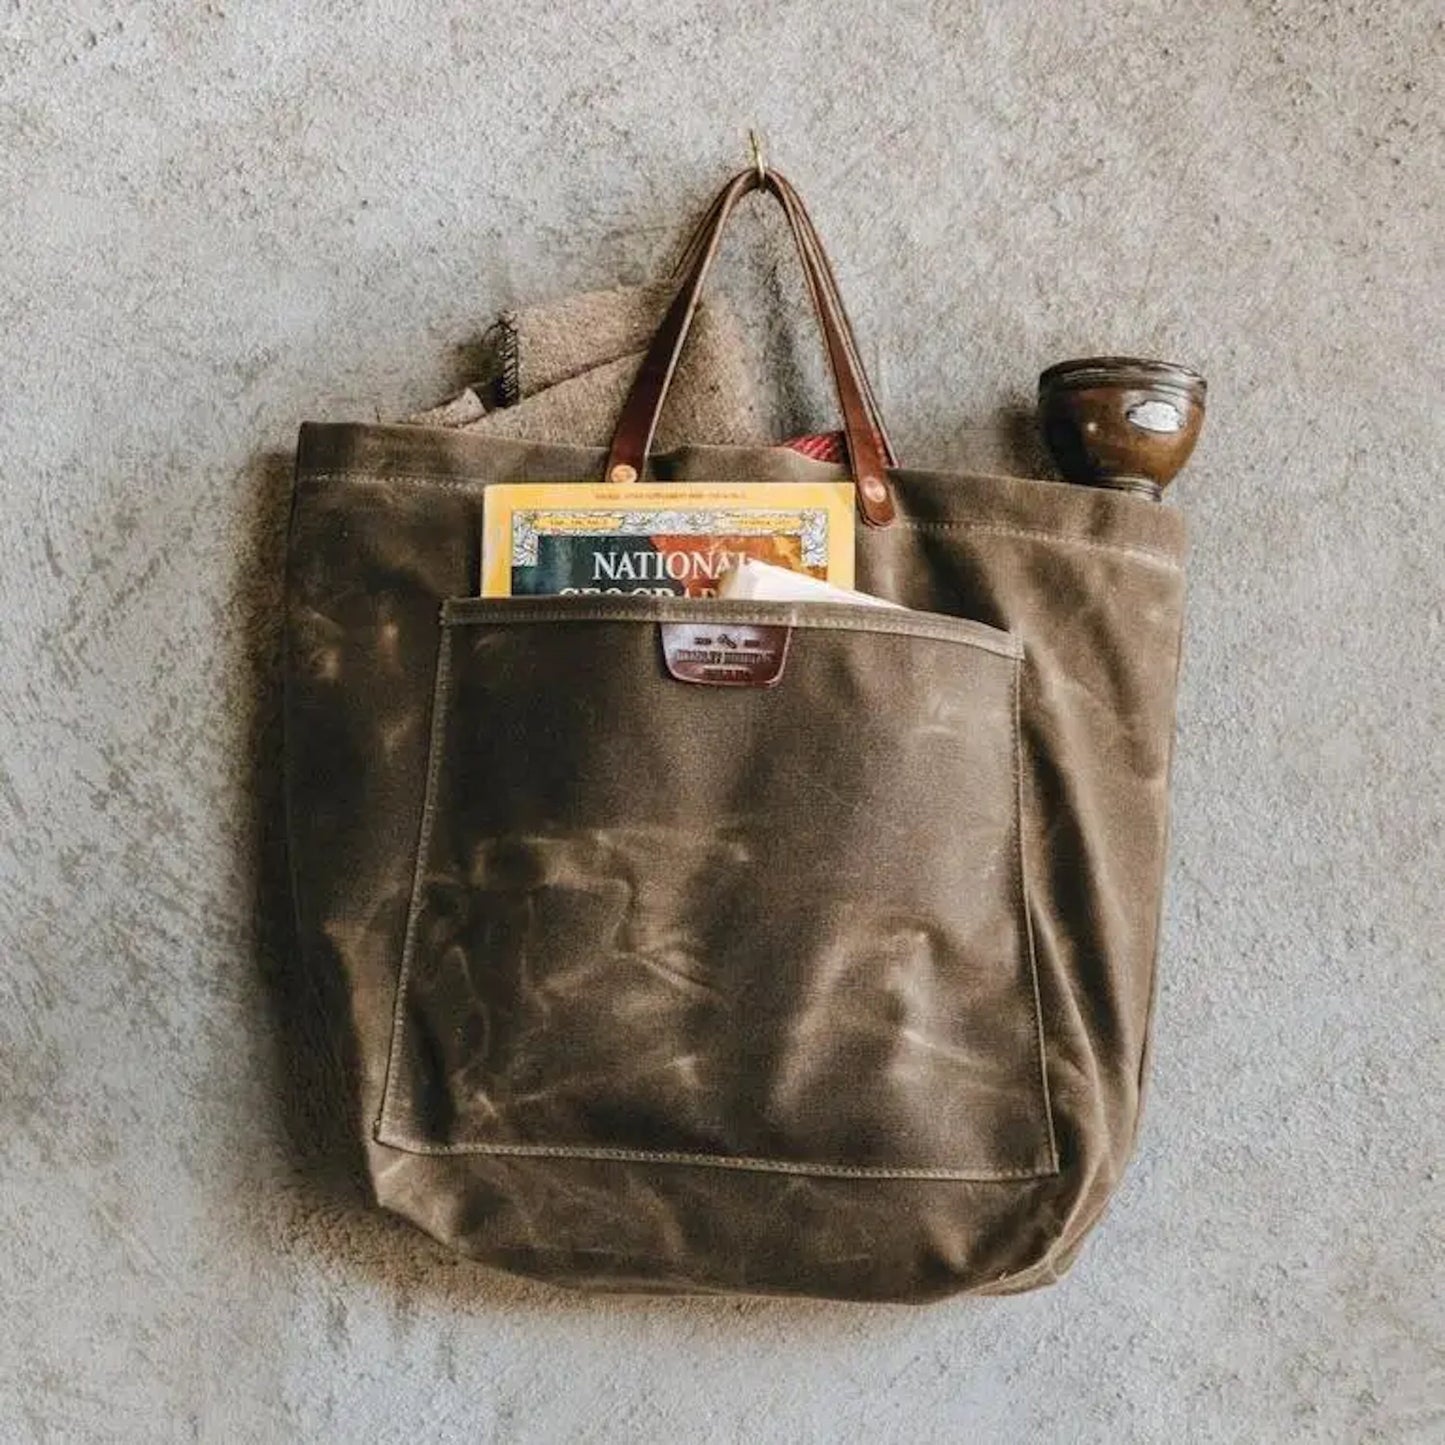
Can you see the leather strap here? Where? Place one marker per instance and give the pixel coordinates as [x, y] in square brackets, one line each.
[804, 234]
[869, 450]
[845, 325]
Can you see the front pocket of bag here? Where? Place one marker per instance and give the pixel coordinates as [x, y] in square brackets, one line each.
[777, 928]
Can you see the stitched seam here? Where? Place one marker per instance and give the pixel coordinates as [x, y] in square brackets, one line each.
[1153, 555]
[462, 612]
[1146, 1048]
[712, 1161]
[1021, 885]
[423, 851]
[385, 1132]
[421, 479]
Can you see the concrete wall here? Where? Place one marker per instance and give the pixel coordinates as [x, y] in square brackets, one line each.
[221, 218]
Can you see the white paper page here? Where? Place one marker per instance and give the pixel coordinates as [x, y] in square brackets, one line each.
[752, 581]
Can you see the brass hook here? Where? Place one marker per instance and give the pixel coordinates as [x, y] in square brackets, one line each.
[757, 149]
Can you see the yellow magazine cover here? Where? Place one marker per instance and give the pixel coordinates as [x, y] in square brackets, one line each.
[663, 539]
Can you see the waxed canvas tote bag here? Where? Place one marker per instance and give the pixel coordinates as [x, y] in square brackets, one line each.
[840, 986]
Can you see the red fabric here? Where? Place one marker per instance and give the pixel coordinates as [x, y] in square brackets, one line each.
[820, 446]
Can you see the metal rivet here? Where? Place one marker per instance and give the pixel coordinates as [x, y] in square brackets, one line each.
[622, 474]
[872, 488]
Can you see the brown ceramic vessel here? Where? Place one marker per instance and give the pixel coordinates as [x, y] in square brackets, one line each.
[1121, 421]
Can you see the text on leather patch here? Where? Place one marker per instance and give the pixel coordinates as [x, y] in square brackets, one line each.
[725, 654]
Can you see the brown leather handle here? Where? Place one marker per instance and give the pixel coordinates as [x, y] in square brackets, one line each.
[835, 297]
[869, 449]
[805, 235]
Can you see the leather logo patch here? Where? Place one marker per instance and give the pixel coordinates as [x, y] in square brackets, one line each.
[725, 654]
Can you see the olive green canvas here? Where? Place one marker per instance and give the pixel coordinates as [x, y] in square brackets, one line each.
[839, 988]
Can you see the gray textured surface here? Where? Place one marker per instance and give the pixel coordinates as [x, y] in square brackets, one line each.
[220, 219]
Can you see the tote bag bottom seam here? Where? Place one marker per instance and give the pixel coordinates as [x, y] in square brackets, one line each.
[741, 1162]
